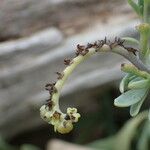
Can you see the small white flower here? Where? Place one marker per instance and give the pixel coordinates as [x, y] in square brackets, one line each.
[74, 116]
[58, 119]
[64, 127]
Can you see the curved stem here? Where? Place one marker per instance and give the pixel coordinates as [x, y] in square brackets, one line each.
[146, 12]
[79, 59]
[145, 32]
[66, 73]
[131, 57]
[63, 122]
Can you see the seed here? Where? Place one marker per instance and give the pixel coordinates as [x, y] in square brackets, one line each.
[130, 49]
[60, 75]
[67, 61]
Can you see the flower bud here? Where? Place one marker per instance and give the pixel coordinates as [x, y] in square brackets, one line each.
[64, 127]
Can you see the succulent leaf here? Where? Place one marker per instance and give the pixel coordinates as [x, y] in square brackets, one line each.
[130, 97]
[135, 108]
[124, 82]
[139, 84]
[131, 40]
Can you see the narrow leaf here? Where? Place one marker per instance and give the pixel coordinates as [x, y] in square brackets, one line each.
[129, 68]
[143, 142]
[135, 79]
[129, 131]
[135, 108]
[130, 97]
[124, 83]
[139, 84]
[134, 6]
[149, 115]
[141, 2]
[131, 40]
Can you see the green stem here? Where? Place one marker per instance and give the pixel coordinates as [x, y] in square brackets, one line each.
[68, 70]
[144, 45]
[144, 30]
[146, 12]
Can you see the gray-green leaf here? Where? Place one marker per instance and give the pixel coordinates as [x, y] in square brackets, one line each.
[149, 115]
[124, 83]
[139, 84]
[130, 97]
[131, 40]
[135, 108]
[143, 142]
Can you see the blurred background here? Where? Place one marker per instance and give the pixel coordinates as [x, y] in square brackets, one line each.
[35, 37]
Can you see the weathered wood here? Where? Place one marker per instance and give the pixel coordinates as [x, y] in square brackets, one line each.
[37, 43]
[21, 18]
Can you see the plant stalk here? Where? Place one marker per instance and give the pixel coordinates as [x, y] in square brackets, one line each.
[144, 30]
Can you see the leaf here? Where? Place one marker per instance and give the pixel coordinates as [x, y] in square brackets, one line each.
[135, 108]
[104, 144]
[131, 40]
[129, 68]
[139, 84]
[129, 131]
[141, 2]
[143, 142]
[123, 139]
[124, 83]
[130, 97]
[149, 115]
[136, 79]
[134, 6]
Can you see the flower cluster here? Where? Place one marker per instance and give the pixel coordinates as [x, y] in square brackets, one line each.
[63, 123]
